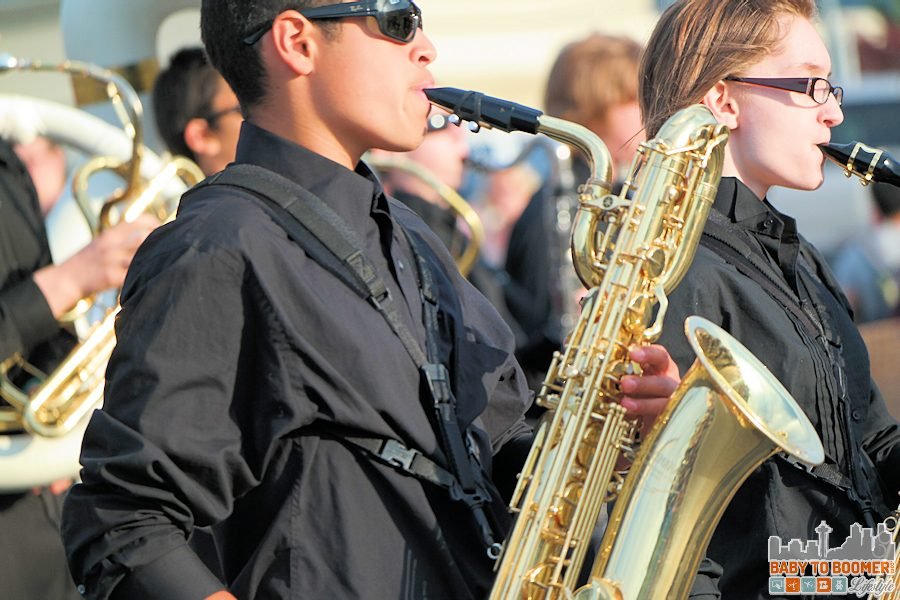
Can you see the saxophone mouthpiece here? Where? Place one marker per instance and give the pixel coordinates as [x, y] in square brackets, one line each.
[486, 111]
[869, 164]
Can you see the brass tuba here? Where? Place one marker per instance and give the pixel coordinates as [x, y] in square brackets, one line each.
[727, 416]
[58, 404]
[467, 253]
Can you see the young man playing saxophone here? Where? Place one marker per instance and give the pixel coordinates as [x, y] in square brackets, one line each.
[256, 392]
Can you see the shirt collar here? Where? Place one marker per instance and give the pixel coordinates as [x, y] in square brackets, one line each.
[339, 187]
[740, 204]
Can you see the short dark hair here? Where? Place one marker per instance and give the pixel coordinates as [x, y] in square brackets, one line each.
[183, 91]
[223, 26]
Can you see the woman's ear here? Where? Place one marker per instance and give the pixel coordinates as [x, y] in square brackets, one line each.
[723, 105]
[293, 41]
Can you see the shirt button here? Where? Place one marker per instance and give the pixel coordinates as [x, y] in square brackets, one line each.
[768, 223]
[857, 415]
[81, 590]
[400, 264]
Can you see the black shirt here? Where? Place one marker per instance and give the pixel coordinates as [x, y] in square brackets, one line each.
[861, 440]
[26, 321]
[490, 281]
[233, 344]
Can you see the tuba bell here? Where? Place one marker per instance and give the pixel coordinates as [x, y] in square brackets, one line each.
[726, 417]
[56, 404]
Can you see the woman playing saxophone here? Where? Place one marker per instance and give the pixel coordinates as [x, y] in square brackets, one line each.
[762, 69]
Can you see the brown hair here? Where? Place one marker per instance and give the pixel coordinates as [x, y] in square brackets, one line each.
[591, 75]
[698, 42]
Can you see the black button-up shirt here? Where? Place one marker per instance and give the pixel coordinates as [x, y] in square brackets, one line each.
[827, 374]
[233, 344]
[26, 321]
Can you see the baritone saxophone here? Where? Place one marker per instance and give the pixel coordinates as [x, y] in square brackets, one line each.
[727, 416]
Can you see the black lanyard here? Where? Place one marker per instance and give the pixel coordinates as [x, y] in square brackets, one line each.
[331, 243]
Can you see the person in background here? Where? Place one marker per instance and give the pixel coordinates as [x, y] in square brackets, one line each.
[593, 82]
[197, 114]
[443, 154]
[868, 265]
[34, 293]
[343, 425]
[46, 164]
[763, 71]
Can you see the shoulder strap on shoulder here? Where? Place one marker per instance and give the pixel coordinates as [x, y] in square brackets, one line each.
[728, 241]
[322, 233]
[314, 225]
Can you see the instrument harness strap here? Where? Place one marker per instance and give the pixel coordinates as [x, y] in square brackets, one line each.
[330, 242]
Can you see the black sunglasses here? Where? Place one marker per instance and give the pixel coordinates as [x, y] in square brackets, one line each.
[397, 19]
[817, 88]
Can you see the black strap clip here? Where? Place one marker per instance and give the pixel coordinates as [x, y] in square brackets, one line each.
[439, 383]
[398, 455]
[379, 299]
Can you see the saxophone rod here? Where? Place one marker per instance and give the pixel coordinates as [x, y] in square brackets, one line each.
[869, 164]
[490, 112]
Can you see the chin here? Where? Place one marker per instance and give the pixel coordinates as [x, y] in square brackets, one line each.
[402, 144]
[806, 185]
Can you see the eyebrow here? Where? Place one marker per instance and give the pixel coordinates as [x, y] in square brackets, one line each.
[812, 67]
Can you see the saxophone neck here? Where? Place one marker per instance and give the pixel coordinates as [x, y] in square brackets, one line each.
[586, 141]
[486, 111]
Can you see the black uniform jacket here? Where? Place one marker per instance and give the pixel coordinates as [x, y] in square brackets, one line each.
[233, 347]
[827, 373]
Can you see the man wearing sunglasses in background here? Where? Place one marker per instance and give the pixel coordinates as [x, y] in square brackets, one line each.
[336, 406]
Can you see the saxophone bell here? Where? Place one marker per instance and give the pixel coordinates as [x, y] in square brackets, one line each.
[728, 415]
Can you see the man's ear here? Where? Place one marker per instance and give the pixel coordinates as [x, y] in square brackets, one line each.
[723, 105]
[200, 138]
[294, 42]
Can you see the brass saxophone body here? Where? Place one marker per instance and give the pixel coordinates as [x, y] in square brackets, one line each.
[887, 586]
[728, 415]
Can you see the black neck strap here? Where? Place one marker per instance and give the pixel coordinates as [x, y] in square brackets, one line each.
[329, 241]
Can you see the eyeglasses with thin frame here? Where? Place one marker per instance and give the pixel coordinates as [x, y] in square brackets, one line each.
[817, 88]
[212, 117]
[397, 19]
